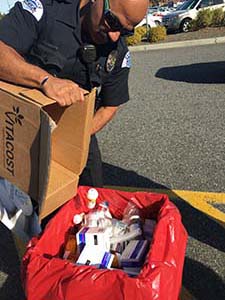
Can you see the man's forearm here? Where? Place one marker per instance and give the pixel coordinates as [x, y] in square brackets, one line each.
[15, 69]
[102, 117]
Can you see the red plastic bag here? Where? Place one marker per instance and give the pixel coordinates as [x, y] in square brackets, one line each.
[47, 277]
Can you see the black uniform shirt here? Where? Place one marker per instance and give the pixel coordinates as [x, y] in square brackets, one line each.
[47, 33]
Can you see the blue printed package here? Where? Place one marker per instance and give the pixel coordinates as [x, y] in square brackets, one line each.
[95, 256]
[80, 235]
[93, 236]
[134, 253]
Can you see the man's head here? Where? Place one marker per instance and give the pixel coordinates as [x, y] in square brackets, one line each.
[108, 19]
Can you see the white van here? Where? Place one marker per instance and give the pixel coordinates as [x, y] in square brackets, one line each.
[187, 11]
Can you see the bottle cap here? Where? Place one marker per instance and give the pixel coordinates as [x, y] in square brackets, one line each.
[92, 194]
[77, 219]
[135, 217]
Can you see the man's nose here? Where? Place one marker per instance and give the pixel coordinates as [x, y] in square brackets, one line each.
[114, 35]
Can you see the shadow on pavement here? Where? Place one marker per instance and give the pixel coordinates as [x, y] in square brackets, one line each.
[210, 286]
[197, 224]
[213, 72]
[10, 284]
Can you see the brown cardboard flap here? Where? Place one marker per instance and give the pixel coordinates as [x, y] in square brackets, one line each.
[11, 88]
[37, 96]
[71, 137]
[31, 94]
[62, 186]
[44, 155]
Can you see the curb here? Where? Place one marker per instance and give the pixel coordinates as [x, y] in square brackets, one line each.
[169, 45]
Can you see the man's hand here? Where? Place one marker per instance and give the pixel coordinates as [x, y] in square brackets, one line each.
[64, 92]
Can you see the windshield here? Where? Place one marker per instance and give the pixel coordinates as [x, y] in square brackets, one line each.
[189, 4]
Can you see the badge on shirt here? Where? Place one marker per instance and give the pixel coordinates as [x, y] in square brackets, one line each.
[126, 61]
[35, 7]
[111, 61]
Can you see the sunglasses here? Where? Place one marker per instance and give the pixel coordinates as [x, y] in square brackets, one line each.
[113, 21]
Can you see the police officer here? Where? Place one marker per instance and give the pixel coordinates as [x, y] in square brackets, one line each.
[64, 47]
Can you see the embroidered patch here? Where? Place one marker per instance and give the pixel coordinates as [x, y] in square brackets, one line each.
[126, 61]
[35, 7]
[111, 61]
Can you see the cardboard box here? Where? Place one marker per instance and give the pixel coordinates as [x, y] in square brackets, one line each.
[44, 147]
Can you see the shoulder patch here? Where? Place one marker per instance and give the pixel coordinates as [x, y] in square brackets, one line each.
[126, 61]
[35, 7]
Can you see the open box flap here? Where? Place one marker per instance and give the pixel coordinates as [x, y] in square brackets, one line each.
[44, 155]
[30, 94]
[37, 96]
[68, 153]
[11, 88]
[59, 187]
[70, 146]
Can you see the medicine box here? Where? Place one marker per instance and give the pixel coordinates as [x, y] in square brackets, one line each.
[93, 236]
[134, 253]
[95, 256]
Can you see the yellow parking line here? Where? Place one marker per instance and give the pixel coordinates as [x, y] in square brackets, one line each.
[203, 202]
[199, 200]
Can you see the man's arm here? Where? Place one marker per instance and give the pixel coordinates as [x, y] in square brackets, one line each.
[102, 117]
[15, 69]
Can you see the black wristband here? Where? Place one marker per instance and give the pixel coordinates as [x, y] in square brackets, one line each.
[44, 81]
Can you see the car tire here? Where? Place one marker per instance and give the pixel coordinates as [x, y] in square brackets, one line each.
[157, 23]
[184, 26]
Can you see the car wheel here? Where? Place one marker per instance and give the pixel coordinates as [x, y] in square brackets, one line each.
[184, 26]
[157, 23]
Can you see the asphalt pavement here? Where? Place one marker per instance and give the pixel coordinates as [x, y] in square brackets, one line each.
[174, 123]
[170, 137]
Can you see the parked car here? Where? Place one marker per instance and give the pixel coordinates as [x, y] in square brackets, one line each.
[152, 9]
[161, 12]
[151, 20]
[181, 17]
